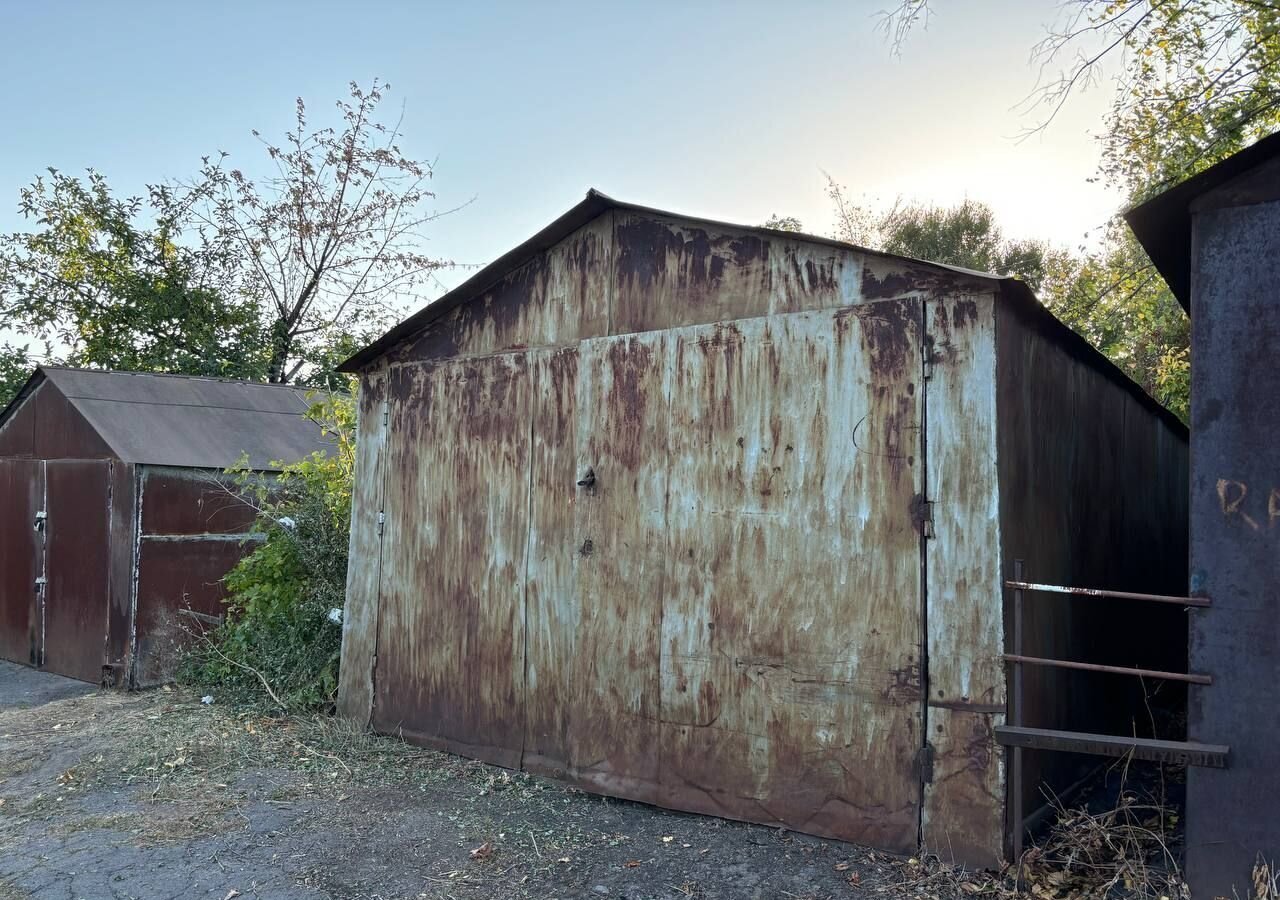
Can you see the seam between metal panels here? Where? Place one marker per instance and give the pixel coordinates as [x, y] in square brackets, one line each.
[106, 632]
[528, 552]
[44, 559]
[608, 288]
[926, 361]
[669, 356]
[239, 536]
[385, 414]
[139, 476]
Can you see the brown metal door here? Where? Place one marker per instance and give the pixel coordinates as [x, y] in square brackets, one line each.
[449, 668]
[77, 556]
[791, 629]
[597, 564]
[21, 557]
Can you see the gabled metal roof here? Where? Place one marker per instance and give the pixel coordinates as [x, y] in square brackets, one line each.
[1163, 223]
[181, 420]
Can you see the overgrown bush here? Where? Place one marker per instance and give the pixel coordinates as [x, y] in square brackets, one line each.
[281, 639]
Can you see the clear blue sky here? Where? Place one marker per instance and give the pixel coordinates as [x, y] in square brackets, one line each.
[729, 110]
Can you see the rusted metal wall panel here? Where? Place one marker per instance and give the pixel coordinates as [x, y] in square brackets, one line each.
[121, 567]
[47, 426]
[964, 802]
[450, 659]
[669, 273]
[61, 432]
[597, 644]
[77, 549]
[553, 613]
[364, 559]
[194, 502]
[18, 434]
[557, 298]
[791, 622]
[1235, 530]
[665, 663]
[176, 577]
[1092, 494]
[21, 549]
[631, 271]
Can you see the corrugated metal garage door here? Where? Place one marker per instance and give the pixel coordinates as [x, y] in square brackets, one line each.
[679, 567]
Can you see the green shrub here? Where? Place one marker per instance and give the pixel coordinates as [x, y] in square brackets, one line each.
[278, 640]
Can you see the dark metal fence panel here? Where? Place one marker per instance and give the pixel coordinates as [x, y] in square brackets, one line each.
[193, 527]
[1235, 526]
[77, 565]
[21, 557]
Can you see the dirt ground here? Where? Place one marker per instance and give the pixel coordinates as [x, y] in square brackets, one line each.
[157, 795]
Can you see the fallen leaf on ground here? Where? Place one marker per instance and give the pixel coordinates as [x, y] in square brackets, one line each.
[231, 893]
[631, 864]
[841, 866]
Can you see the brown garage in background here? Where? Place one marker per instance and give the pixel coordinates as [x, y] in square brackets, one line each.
[115, 525]
[720, 518]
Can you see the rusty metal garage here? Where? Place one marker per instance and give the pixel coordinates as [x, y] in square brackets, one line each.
[720, 518]
[114, 524]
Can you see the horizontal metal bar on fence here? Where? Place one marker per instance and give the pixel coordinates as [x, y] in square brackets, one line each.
[1113, 670]
[1185, 752]
[1119, 595]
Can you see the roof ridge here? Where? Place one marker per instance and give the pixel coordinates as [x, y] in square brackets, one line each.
[178, 375]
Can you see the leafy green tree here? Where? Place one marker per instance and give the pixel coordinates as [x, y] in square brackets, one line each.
[274, 278]
[114, 284]
[783, 223]
[280, 636]
[15, 367]
[1192, 80]
[964, 235]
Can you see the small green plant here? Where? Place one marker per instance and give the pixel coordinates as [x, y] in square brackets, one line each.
[281, 635]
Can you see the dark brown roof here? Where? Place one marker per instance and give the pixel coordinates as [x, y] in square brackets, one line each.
[1163, 224]
[181, 420]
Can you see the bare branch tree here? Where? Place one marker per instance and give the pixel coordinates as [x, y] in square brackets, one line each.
[333, 236]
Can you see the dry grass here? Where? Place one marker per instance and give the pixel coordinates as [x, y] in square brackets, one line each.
[1266, 880]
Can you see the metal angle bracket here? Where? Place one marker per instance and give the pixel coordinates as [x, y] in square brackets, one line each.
[924, 763]
[382, 519]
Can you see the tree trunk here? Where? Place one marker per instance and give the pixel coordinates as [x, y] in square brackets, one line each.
[281, 344]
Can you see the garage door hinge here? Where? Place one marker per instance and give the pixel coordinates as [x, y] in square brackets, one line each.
[386, 412]
[41, 581]
[928, 358]
[922, 515]
[924, 763]
[382, 518]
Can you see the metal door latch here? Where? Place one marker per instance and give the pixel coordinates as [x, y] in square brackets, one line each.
[589, 479]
